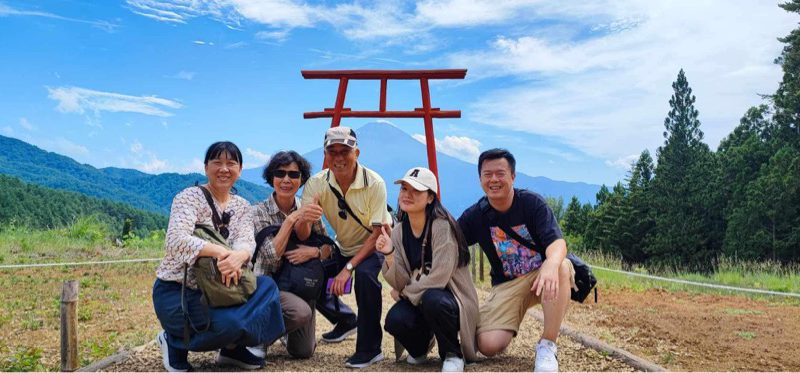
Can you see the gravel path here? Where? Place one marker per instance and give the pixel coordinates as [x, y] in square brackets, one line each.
[330, 357]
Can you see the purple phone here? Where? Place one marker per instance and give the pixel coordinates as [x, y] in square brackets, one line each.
[348, 286]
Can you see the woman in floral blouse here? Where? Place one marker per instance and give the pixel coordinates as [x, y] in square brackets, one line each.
[198, 327]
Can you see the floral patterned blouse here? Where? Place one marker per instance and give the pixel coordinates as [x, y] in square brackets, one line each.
[189, 208]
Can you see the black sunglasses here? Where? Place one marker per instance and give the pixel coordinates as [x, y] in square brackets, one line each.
[342, 212]
[280, 174]
[223, 228]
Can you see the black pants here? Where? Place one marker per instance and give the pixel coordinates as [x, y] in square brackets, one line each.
[436, 315]
[368, 299]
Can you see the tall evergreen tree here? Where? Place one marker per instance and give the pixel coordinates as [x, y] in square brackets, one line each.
[787, 97]
[574, 218]
[687, 230]
[637, 223]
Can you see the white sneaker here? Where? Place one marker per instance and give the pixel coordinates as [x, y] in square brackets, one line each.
[416, 360]
[546, 359]
[453, 363]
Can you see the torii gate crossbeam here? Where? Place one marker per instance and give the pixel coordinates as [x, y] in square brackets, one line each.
[426, 111]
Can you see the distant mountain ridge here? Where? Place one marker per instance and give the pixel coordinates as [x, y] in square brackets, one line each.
[391, 152]
[138, 189]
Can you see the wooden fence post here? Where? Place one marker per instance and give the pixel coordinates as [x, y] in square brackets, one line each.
[69, 326]
[481, 254]
[472, 261]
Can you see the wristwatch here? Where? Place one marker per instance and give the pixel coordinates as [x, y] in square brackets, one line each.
[349, 267]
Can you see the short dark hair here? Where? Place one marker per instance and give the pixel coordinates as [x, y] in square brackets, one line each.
[497, 153]
[216, 149]
[285, 158]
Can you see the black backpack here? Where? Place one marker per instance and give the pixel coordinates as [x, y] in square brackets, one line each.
[306, 280]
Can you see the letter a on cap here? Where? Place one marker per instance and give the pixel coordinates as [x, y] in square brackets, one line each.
[414, 173]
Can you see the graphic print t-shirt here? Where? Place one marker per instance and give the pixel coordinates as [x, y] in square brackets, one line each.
[516, 258]
[529, 216]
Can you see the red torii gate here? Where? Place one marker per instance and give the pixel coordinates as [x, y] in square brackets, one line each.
[426, 111]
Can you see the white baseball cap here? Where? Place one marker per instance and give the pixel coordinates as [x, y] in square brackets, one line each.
[420, 178]
[340, 135]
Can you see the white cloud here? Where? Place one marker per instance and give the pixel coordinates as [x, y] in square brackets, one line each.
[6, 11]
[196, 165]
[258, 157]
[66, 147]
[461, 147]
[184, 75]
[7, 131]
[203, 42]
[607, 94]
[623, 163]
[278, 36]
[154, 165]
[136, 147]
[24, 123]
[236, 45]
[79, 100]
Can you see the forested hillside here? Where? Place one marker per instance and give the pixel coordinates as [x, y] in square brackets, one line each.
[39, 207]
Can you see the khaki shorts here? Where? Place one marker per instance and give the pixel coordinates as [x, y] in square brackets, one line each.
[507, 303]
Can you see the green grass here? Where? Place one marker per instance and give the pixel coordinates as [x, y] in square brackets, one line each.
[746, 335]
[754, 275]
[85, 239]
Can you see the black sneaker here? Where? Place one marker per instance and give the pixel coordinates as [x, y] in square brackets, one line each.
[174, 360]
[240, 357]
[362, 360]
[340, 332]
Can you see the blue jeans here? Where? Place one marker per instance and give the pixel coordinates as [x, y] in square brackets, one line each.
[257, 321]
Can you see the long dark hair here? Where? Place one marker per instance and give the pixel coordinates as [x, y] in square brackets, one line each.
[435, 210]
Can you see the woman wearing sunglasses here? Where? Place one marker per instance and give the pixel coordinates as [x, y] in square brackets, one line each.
[428, 272]
[229, 329]
[286, 172]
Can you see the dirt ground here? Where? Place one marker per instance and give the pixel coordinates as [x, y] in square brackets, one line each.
[330, 357]
[695, 331]
[678, 330]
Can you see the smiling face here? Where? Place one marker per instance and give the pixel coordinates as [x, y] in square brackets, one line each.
[412, 200]
[287, 186]
[342, 160]
[497, 179]
[223, 172]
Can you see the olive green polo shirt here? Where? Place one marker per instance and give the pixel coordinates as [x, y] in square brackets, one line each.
[366, 197]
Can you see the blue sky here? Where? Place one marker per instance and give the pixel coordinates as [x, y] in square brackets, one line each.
[575, 89]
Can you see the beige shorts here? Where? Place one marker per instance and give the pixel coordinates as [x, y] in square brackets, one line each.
[507, 303]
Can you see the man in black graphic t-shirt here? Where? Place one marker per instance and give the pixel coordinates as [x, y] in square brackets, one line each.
[521, 277]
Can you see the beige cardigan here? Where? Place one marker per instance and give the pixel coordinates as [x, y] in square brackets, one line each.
[444, 273]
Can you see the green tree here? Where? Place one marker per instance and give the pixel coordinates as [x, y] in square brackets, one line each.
[787, 96]
[687, 231]
[575, 218]
[636, 221]
[767, 222]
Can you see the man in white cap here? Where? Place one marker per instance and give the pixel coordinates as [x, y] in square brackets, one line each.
[353, 200]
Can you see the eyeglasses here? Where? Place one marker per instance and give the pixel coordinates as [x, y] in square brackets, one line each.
[223, 227]
[342, 208]
[280, 174]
